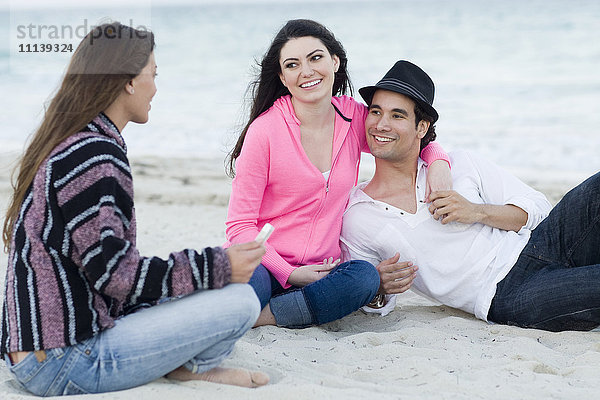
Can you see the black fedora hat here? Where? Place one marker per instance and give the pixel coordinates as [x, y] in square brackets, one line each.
[407, 79]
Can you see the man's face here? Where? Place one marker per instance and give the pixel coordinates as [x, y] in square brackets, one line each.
[390, 127]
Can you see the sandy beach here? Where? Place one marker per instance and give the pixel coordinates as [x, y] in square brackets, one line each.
[421, 350]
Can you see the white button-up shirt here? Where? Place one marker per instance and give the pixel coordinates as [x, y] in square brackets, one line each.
[459, 264]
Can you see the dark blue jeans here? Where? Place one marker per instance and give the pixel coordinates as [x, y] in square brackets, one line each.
[344, 290]
[555, 283]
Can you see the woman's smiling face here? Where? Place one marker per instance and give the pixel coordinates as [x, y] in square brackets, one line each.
[307, 69]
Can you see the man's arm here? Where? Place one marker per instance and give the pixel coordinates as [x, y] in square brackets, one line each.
[507, 202]
[449, 206]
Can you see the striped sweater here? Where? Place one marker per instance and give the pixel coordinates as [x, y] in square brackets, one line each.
[73, 263]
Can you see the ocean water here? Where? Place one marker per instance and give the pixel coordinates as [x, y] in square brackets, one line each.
[518, 81]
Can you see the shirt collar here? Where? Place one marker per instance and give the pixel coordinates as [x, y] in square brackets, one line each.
[357, 195]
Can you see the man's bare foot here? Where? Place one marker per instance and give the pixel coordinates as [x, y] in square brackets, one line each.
[227, 376]
[266, 317]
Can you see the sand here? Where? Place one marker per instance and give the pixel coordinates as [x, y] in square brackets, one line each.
[421, 350]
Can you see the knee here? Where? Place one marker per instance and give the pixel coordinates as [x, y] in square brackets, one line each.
[589, 188]
[244, 304]
[259, 276]
[261, 283]
[595, 179]
[366, 277]
[594, 182]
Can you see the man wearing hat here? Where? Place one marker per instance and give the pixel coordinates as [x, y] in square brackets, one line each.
[475, 246]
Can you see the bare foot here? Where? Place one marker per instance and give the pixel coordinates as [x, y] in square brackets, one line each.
[227, 376]
[266, 317]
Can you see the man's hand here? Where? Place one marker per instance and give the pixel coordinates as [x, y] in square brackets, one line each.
[438, 178]
[448, 206]
[396, 277]
[307, 274]
[244, 258]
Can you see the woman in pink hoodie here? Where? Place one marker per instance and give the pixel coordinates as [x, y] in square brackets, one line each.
[295, 163]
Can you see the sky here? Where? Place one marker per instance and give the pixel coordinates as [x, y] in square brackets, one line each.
[28, 4]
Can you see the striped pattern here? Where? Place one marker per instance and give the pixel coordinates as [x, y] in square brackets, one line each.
[403, 86]
[73, 265]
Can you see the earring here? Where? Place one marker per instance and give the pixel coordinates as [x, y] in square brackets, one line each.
[132, 91]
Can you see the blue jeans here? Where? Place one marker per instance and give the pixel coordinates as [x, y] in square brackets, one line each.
[197, 331]
[344, 290]
[555, 283]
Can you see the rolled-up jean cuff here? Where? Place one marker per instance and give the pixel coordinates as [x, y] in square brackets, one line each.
[290, 310]
[198, 366]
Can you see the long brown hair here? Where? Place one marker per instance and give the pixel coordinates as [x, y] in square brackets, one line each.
[267, 87]
[106, 59]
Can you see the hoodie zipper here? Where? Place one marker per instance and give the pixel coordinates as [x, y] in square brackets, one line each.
[324, 197]
[321, 206]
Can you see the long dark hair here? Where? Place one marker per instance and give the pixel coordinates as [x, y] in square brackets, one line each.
[106, 59]
[267, 87]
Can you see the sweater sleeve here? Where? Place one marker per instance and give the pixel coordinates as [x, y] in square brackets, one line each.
[95, 195]
[247, 195]
[433, 152]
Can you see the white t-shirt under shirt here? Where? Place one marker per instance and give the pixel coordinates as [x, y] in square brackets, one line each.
[459, 264]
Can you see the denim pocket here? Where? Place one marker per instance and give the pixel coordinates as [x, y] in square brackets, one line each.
[73, 388]
[27, 368]
[87, 347]
[35, 376]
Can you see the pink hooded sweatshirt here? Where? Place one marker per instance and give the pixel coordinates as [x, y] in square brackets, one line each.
[275, 182]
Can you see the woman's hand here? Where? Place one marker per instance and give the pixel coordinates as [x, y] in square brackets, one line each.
[438, 178]
[307, 274]
[244, 258]
[396, 277]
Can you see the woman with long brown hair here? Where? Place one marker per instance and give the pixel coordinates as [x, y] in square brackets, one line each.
[83, 311]
[295, 162]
